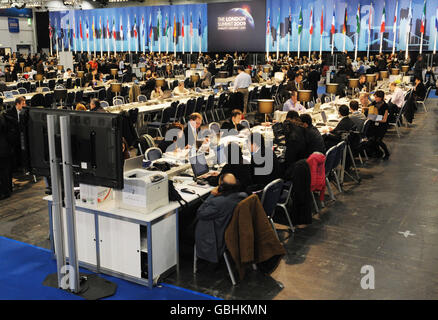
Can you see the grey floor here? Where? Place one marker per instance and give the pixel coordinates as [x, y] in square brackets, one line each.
[323, 261]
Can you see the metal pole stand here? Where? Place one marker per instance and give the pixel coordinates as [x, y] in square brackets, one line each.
[67, 276]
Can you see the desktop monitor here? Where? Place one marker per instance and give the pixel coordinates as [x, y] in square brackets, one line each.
[96, 143]
[199, 165]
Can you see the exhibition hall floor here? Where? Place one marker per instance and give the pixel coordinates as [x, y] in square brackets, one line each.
[388, 222]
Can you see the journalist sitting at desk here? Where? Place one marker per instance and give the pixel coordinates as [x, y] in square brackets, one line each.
[345, 125]
[157, 93]
[233, 125]
[213, 218]
[180, 90]
[292, 103]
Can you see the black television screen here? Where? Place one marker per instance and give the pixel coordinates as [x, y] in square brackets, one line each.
[96, 142]
[237, 26]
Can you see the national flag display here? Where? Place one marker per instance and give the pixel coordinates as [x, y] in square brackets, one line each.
[423, 18]
[182, 26]
[199, 26]
[358, 19]
[174, 26]
[191, 25]
[135, 27]
[394, 26]
[268, 25]
[382, 24]
[86, 28]
[289, 23]
[332, 29]
[344, 27]
[300, 22]
[311, 22]
[80, 28]
[322, 21]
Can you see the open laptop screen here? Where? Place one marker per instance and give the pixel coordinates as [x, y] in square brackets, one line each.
[199, 165]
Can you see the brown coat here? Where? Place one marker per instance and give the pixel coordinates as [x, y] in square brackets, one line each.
[249, 237]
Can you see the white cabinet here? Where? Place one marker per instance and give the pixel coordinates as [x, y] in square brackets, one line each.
[164, 245]
[85, 236]
[119, 244]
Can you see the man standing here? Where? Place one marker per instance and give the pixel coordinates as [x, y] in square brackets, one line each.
[12, 117]
[241, 84]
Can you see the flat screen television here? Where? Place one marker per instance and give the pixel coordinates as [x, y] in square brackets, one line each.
[96, 142]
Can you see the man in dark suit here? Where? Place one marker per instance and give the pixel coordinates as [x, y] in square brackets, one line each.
[12, 116]
[313, 79]
[192, 129]
[233, 126]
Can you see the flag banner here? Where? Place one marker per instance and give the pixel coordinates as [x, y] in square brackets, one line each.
[359, 22]
[80, 26]
[408, 24]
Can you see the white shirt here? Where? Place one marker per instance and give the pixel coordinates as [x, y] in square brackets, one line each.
[398, 97]
[290, 106]
[243, 80]
[66, 75]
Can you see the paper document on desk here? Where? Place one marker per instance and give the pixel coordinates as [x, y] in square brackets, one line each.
[134, 195]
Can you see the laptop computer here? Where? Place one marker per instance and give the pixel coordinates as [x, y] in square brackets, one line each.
[199, 166]
[8, 94]
[167, 94]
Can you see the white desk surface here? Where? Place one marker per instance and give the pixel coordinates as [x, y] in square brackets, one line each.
[110, 206]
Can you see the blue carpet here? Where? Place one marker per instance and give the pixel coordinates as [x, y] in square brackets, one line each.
[24, 267]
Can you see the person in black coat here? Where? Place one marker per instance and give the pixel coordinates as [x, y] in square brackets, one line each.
[213, 218]
[296, 140]
[264, 163]
[237, 166]
[420, 89]
[301, 198]
[315, 141]
[13, 133]
[5, 160]
[345, 125]
[418, 67]
[313, 79]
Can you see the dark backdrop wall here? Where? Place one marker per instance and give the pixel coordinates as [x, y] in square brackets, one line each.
[42, 28]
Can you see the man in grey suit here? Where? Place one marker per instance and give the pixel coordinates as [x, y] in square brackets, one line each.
[206, 79]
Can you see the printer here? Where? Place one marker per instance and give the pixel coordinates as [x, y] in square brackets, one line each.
[144, 191]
